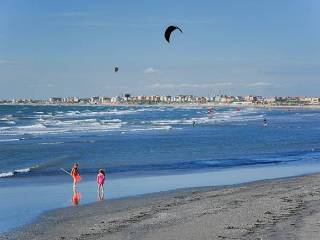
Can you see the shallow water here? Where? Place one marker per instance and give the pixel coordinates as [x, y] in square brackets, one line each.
[139, 142]
[24, 202]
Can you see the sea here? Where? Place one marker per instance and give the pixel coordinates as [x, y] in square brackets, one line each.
[144, 149]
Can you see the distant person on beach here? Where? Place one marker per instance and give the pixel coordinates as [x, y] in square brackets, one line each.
[75, 174]
[100, 181]
[265, 122]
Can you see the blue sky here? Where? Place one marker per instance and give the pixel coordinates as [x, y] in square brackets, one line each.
[70, 47]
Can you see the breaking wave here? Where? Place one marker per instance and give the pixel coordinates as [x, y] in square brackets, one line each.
[15, 172]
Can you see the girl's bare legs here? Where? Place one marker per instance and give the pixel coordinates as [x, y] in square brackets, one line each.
[102, 190]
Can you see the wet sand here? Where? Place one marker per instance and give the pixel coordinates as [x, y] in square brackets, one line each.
[272, 209]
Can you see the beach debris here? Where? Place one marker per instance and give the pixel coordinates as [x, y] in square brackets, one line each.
[168, 32]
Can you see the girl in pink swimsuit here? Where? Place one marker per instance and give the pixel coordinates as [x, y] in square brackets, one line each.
[100, 181]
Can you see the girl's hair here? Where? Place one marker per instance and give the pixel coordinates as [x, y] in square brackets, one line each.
[102, 171]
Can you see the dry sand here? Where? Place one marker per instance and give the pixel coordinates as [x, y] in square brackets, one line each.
[272, 209]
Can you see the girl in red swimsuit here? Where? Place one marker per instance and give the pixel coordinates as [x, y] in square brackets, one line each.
[75, 174]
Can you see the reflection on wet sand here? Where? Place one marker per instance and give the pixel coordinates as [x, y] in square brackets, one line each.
[76, 197]
[101, 195]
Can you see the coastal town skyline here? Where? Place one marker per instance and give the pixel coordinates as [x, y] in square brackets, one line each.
[168, 99]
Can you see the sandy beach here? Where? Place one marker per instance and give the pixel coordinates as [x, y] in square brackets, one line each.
[272, 209]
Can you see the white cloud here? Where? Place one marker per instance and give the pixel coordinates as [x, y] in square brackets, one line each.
[158, 85]
[190, 85]
[259, 84]
[151, 70]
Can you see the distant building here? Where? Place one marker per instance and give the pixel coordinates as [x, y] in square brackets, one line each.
[116, 99]
[181, 98]
[156, 98]
[84, 100]
[270, 100]
[141, 98]
[104, 99]
[94, 100]
[55, 100]
[251, 98]
[165, 99]
[72, 100]
[311, 100]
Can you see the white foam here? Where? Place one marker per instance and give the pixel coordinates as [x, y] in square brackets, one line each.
[34, 126]
[51, 143]
[9, 140]
[10, 122]
[56, 126]
[23, 170]
[6, 174]
[151, 129]
[6, 117]
[217, 117]
[110, 120]
[166, 122]
[95, 121]
[115, 111]
[12, 173]
[4, 128]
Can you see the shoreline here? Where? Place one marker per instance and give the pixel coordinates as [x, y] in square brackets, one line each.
[266, 209]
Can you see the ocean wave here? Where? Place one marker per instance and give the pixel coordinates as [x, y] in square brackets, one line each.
[7, 117]
[43, 116]
[88, 113]
[33, 126]
[114, 111]
[231, 116]
[9, 140]
[151, 129]
[103, 119]
[86, 124]
[51, 143]
[10, 122]
[166, 122]
[23, 170]
[17, 171]
[6, 174]
[54, 126]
